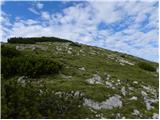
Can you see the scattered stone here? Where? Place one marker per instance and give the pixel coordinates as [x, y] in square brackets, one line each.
[77, 93]
[108, 77]
[123, 62]
[113, 87]
[67, 77]
[143, 93]
[17, 47]
[70, 48]
[58, 93]
[72, 93]
[109, 84]
[78, 54]
[135, 82]
[155, 116]
[157, 70]
[82, 68]
[81, 51]
[111, 57]
[133, 98]
[135, 112]
[149, 89]
[33, 47]
[69, 52]
[96, 79]
[22, 80]
[40, 92]
[58, 49]
[148, 105]
[118, 115]
[130, 88]
[123, 91]
[148, 100]
[120, 60]
[118, 80]
[112, 102]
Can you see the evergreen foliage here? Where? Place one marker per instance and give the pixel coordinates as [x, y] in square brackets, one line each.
[30, 66]
[33, 101]
[146, 66]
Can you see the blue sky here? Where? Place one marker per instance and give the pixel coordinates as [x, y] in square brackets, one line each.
[129, 26]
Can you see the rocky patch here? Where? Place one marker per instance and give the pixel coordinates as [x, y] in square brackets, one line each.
[96, 79]
[120, 60]
[33, 47]
[112, 102]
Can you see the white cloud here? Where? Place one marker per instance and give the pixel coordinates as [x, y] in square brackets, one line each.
[39, 5]
[79, 23]
[33, 10]
[36, 7]
[45, 15]
[106, 12]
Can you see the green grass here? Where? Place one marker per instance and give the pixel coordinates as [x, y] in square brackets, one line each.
[96, 64]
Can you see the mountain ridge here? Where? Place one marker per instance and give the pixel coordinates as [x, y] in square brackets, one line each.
[102, 83]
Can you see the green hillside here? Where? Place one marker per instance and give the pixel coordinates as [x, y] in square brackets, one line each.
[56, 78]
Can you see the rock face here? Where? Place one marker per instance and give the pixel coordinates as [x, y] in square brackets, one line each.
[112, 102]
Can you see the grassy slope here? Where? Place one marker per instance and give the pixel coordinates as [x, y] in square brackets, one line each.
[95, 61]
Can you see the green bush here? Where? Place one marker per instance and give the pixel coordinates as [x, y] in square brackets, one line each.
[146, 66]
[33, 40]
[21, 41]
[15, 63]
[29, 66]
[7, 51]
[8, 67]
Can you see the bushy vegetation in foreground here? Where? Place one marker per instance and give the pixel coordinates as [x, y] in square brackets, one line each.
[23, 98]
[29, 100]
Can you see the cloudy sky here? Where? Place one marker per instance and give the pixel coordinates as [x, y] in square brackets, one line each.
[127, 26]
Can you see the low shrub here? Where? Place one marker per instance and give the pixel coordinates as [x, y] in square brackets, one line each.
[7, 51]
[29, 66]
[33, 40]
[21, 41]
[146, 66]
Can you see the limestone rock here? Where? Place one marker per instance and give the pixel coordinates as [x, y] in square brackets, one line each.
[112, 102]
[155, 116]
[133, 98]
[123, 90]
[96, 79]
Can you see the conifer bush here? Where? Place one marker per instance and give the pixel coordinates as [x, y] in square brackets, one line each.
[146, 66]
